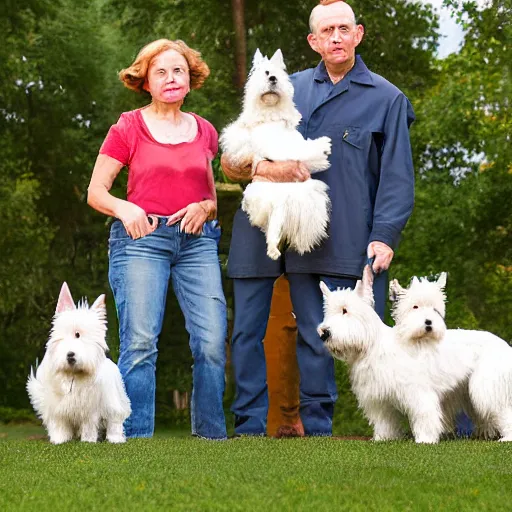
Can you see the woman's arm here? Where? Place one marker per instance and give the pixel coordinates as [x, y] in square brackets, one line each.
[132, 216]
[210, 205]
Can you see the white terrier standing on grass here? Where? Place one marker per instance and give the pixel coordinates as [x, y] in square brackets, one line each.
[390, 377]
[486, 394]
[76, 389]
[292, 213]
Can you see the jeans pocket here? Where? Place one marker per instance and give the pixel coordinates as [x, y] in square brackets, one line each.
[118, 232]
[211, 229]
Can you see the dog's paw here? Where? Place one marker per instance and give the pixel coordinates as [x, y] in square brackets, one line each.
[58, 439]
[324, 145]
[318, 164]
[117, 439]
[426, 440]
[273, 252]
[386, 437]
[88, 439]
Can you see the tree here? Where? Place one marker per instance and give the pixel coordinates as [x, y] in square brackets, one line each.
[462, 221]
[55, 64]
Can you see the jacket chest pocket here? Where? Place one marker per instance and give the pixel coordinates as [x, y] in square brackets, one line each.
[353, 142]
[353, 136]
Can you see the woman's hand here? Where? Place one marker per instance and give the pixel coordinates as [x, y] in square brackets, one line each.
[192, 218]
[135, 220]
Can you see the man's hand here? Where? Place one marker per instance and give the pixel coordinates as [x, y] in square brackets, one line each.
[282, 172]
[383, 256]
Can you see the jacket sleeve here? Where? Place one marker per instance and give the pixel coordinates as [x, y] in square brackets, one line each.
[394, 199]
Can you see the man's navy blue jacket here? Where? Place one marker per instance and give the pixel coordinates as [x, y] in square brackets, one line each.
[371, 177]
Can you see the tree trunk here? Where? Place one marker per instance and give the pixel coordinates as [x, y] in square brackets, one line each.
[240, 42]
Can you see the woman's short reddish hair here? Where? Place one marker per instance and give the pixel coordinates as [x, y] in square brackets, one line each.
[135, 75]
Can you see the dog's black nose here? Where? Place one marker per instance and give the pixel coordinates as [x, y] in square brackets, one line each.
[272, 79]
[428, 322]
[326, 334]
[70, 356]
[428, 328]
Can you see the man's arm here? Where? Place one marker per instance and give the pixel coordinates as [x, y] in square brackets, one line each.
[395, 196]
[283, 172]
[236, 173]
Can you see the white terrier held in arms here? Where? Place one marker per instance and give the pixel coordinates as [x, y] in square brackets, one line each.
[389, 376]
[76, 389]
[486, 392]
[292, 213]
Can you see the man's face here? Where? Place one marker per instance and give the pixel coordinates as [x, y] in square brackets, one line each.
[335, 35]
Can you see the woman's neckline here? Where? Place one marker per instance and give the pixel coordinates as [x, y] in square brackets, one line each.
[148, 131]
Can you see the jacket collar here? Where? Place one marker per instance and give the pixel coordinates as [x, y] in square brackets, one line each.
[359, 73]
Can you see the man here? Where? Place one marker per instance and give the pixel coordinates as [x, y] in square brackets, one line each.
[371, 185]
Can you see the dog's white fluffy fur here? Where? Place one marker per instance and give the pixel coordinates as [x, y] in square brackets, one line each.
[389, 377]
[76, 390]
[485, 392]
[418, 368]
[293, 213]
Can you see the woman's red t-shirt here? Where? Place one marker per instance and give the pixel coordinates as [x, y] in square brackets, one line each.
[163, 178]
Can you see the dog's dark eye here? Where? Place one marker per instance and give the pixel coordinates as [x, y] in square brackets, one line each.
[415, 307]
[267, 73]
[77, 334]
[344, 311]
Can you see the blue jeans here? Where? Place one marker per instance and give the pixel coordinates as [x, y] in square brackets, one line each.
[317, 382]
[139, 275]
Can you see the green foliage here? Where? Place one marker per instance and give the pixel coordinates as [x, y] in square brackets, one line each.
[462, 221]
[10, 415]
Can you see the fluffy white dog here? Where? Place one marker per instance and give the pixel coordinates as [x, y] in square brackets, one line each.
[76, 389]
[486, 391]
[390, 376]
[293, 213]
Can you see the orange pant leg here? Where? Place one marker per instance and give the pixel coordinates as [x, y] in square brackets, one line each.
[282, 369]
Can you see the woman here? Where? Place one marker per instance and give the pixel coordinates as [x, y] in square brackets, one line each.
[165, 230]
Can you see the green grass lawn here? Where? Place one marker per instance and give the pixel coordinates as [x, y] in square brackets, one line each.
[176, 472]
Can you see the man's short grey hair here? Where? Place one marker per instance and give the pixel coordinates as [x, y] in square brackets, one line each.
[312, 16]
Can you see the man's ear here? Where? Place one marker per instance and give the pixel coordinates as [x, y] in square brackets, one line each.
[359, 34]
[312, 40]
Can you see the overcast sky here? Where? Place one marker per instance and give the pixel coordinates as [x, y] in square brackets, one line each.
[451, 33]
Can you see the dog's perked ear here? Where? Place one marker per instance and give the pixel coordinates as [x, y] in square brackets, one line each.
[65, 302]
[364, 288]
[99, 303]
[441, 280]
[257, 59]
[395, 290]
[325, 289]
[278, 60]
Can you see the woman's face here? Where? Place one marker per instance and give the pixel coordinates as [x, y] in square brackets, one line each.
[168, 77]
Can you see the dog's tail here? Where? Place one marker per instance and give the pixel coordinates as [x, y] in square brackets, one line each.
[35, 390]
